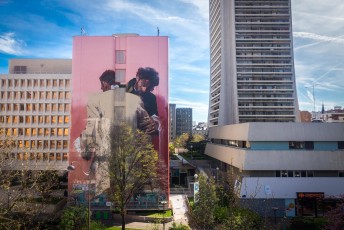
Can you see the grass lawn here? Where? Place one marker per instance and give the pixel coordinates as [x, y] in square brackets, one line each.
[157, 214]
[119, 228]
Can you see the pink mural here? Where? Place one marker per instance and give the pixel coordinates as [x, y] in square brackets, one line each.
[140, 67]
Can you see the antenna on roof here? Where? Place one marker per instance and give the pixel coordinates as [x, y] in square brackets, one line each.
[83, 31]
[158, 31]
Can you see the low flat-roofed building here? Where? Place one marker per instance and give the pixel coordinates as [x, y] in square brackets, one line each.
[279, 161]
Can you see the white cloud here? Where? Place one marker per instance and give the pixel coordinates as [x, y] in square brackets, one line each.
[199, 109]
[9, 44]
[319, 38]
[201, 5]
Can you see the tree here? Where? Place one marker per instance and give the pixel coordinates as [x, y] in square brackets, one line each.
[197, 137]
[181, 141]
[335, 217]
[202, 214]
[24, 192]
[130, 164]
[217, 207]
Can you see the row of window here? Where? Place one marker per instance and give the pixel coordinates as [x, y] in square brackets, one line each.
[34, 119]
[307, 145]
[27, 83]
[33, 95]
[36, 107]
[38, 156]
[31, 132]
[39, 144]
[234, 143]
[301, 173]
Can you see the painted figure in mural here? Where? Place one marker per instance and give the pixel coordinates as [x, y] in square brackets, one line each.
[142, 85]
[108, 80]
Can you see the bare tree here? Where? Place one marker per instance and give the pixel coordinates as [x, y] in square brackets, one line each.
[129, 164]
[23, 192]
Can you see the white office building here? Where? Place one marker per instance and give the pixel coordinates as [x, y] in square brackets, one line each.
[280, 161]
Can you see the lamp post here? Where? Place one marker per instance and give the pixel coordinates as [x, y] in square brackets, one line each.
[164, 202]
[217, 174]
[196, 188]
[191, 152]
[72, 168]
[274, 209]
[312, 86]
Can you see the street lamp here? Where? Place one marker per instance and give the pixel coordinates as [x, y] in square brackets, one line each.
[312, 86]
[191, 152]
[164, 202]
[195, 188]
[217, 174]
[72, 168]
[274, 209]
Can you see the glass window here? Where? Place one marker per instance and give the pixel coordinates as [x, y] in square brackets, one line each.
[47, 95]
[340, 144]
[59, 132]
[120, 75]
[66, 132]
[52, 157]
[120, 56]
[309, 145]
[27, 131]
[40, 131]
[65, 144]
[296, 145]
[310, 174]
[33, 132]
[67, 95]
[46, 132]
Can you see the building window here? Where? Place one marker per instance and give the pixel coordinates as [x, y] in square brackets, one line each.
[309, 145]
[340, 144]
[296, 145]
[120, 75]
[120, 56]
[19, 69]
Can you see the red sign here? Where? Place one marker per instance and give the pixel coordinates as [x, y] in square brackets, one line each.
[310, 195]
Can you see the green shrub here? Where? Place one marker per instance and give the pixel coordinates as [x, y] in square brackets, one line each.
[307, 223]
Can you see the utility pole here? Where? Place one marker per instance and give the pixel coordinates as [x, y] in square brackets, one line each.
[313, 86]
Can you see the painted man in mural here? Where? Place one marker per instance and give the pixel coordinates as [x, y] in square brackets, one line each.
[143, 85]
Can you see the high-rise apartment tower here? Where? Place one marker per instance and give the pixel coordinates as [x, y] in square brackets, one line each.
[183, 121]
[252, 67]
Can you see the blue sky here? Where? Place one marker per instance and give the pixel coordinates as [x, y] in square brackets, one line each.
[44, 29]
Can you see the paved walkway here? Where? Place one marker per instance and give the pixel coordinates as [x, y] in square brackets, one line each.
[179, 215]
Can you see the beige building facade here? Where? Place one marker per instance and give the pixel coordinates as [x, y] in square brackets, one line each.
[35, 100]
